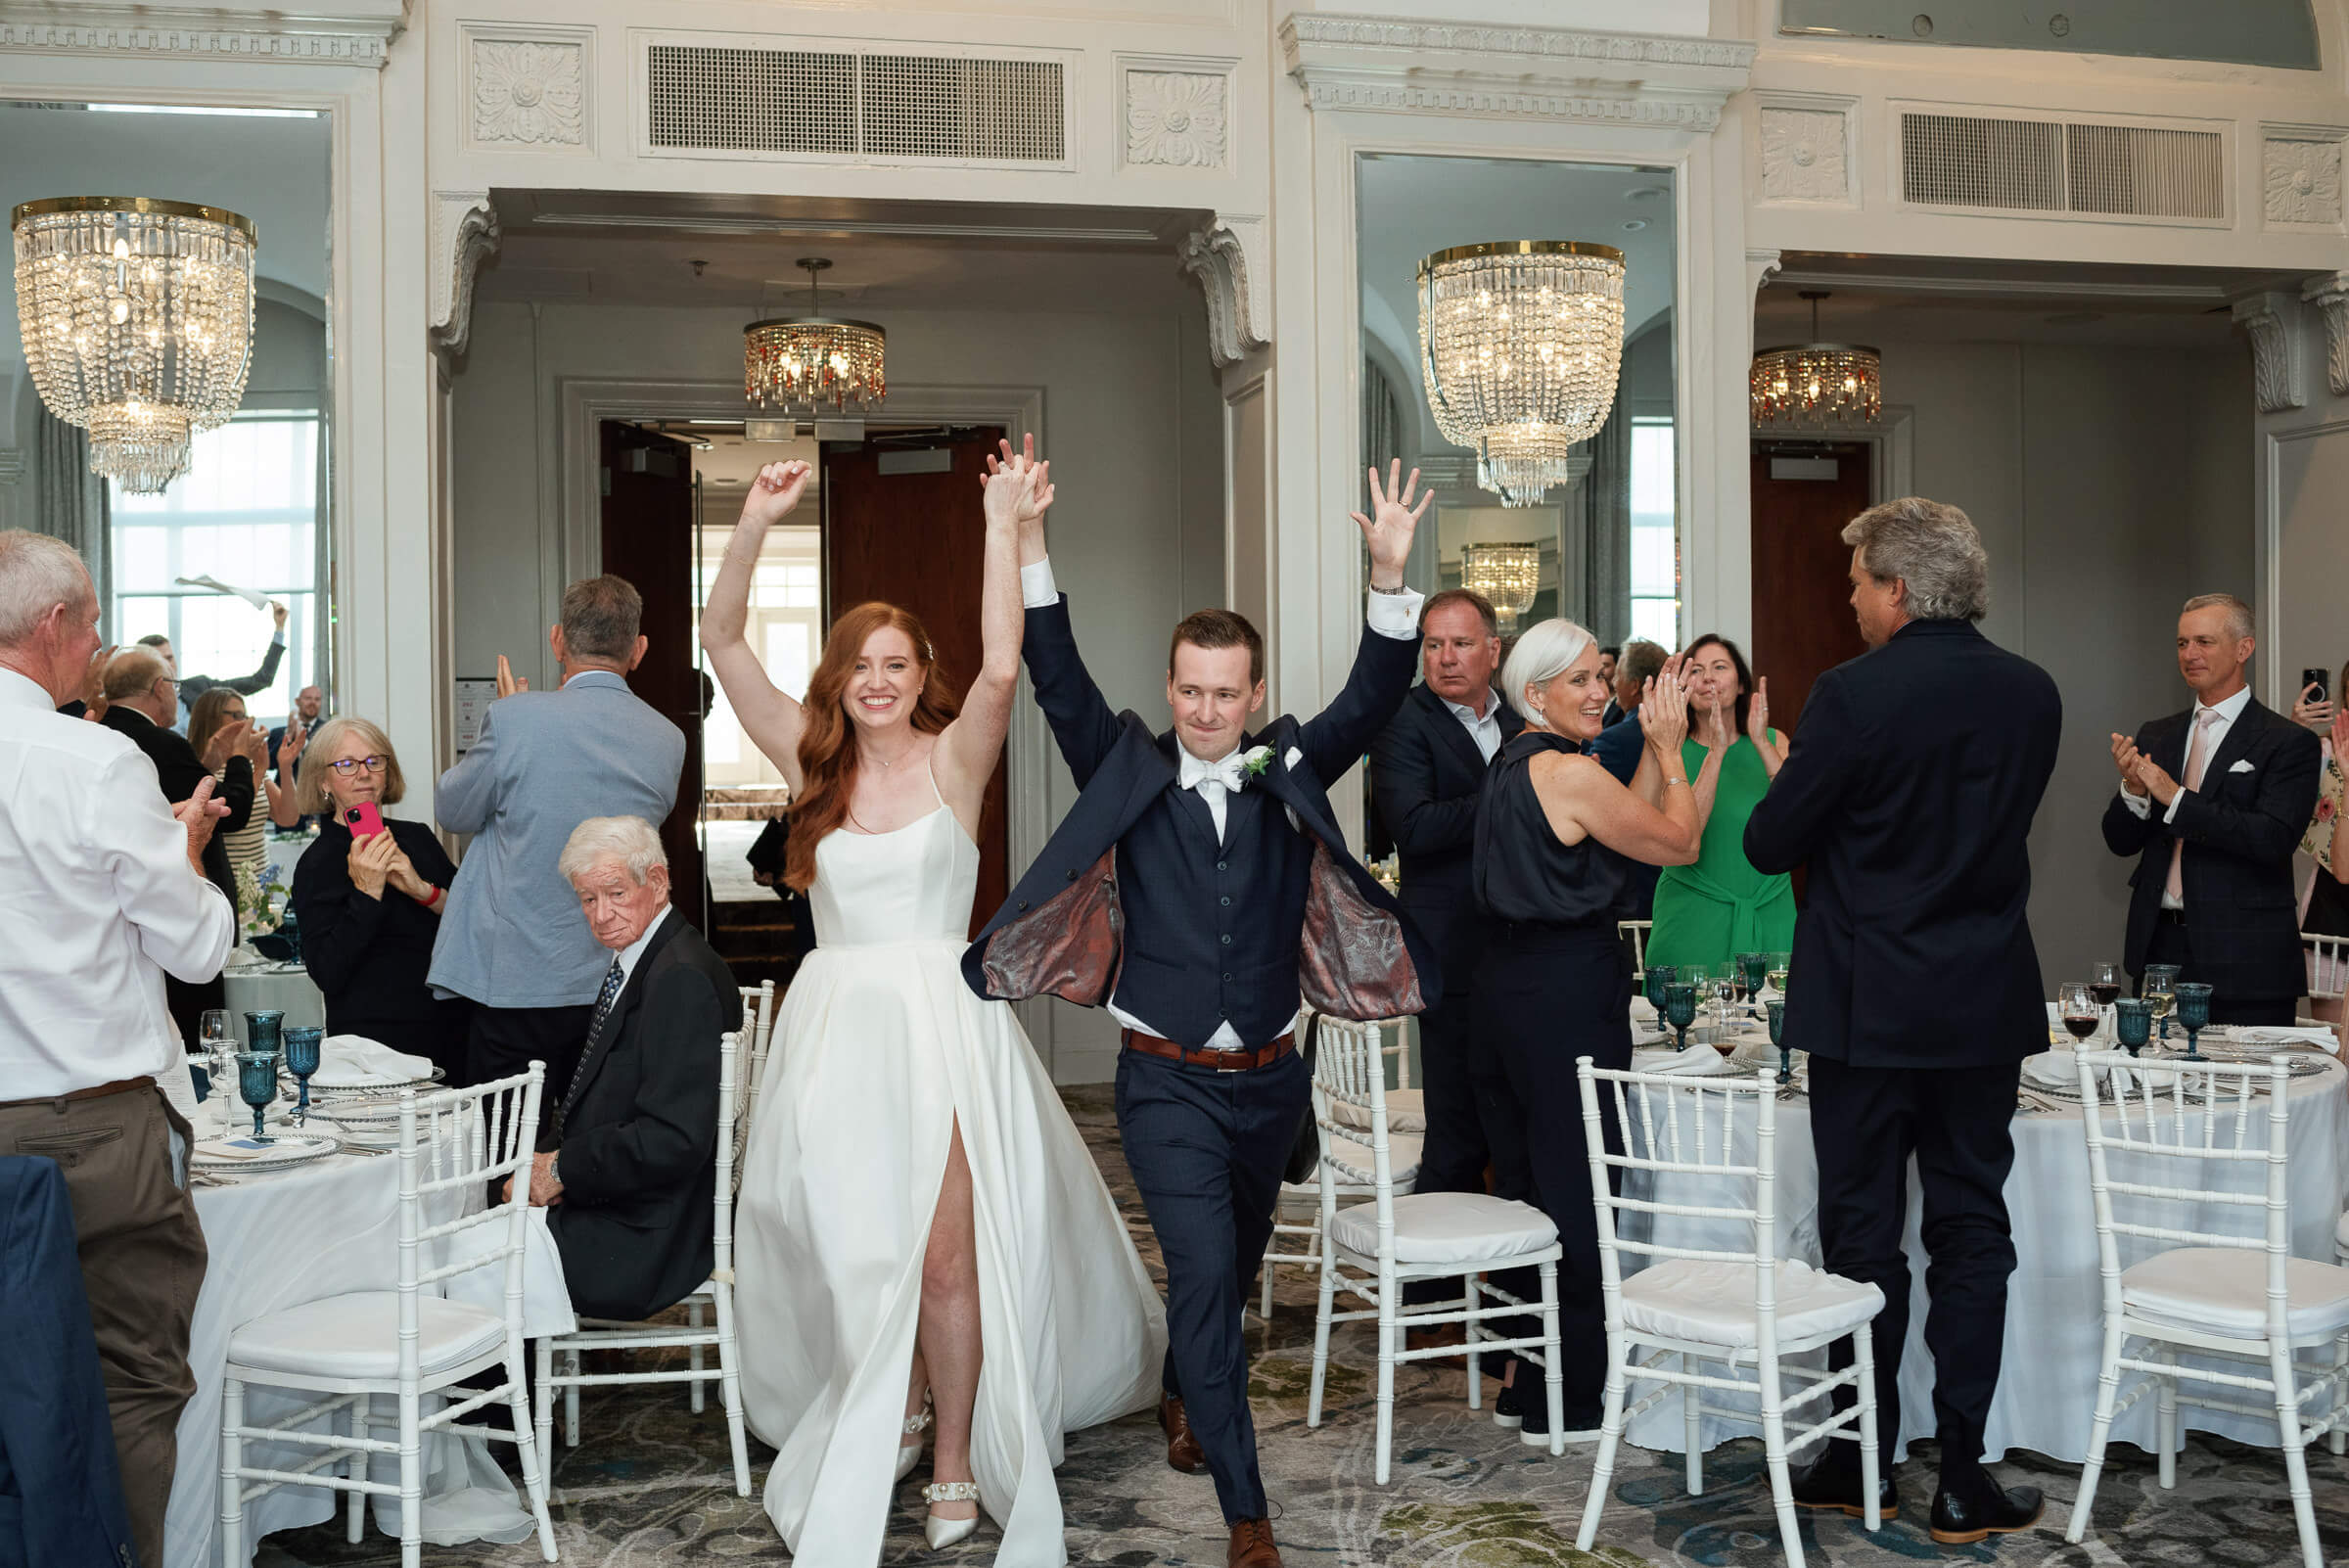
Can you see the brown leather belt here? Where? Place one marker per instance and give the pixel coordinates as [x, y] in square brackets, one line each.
[120, 1086]
[1221, 1061]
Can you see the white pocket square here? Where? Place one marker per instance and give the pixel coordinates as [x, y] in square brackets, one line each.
[2242, 767]
[1292, 756]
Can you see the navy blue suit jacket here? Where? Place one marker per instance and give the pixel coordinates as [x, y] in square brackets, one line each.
[1426, 774]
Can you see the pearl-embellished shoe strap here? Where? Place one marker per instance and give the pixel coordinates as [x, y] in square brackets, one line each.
[951, 1492]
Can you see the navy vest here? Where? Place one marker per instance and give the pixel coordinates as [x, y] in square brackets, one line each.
[1212, 932]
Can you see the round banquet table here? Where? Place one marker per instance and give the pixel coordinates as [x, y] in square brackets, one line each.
[2046, 1395]
[278, 1239]
[253, 987]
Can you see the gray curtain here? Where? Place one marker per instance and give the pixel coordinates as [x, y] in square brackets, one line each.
[1606, 496]
[73, 500]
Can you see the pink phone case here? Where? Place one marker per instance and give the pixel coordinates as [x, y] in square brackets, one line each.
[364, 819]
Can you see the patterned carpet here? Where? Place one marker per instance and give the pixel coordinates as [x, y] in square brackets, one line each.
[649, 1486]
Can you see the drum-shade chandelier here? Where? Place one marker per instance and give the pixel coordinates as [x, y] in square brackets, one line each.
[802, 363]
[1520, 342]
[1817, 384]
[137, 321]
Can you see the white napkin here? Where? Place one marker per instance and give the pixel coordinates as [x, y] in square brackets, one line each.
[1643, 1011]
[1697, 1061]
[2057, 1070]
[353, 1061]
[2321, 1038]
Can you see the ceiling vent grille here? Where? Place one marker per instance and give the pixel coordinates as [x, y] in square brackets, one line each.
[2062, 167]
[868, 103]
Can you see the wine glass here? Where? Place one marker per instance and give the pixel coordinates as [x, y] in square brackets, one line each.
[256, 1086]
[2076, 1005]
[1679, 1008]
[1725, 991]
[1659, 979]
[303, 1043]
[1776, 1011]
[2104, 984]
[218, 1042]
[1753, 972]
[2159, 988]
[2133, 1022]
[1775, 974]
[2193, 1015]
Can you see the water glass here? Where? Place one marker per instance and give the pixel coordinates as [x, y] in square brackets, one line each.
[1679, 1008]
[262, 1030]
[218, 1044]
[1659, 978]
[302, 1045]
[2193, 1015]
[256, 1086]
[2132, 1023]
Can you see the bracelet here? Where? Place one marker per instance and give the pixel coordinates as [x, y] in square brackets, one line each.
[433, 901]
[1398, 590]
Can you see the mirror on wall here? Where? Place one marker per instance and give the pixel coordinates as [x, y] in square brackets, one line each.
[1601, 547]
[251, 510]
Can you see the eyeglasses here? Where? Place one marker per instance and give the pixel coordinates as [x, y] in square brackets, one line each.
[348, 766]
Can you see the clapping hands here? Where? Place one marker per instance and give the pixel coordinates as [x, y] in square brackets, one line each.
[1663, 714]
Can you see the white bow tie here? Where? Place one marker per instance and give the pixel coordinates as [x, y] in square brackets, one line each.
[1229, 771]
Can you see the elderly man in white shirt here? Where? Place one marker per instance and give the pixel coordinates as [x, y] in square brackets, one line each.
[102, 892]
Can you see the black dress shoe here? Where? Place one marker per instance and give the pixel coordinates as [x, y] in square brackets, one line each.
[1837, 1486]
[1506, 1411]
[1533, 1430]
[1961, 1519]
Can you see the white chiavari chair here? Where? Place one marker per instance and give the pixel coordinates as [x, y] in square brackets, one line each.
[1370, 1250]
[603, 1334]
[407, 1344]
[2229, 1292]
[1296, 1211]
[1715, 1306]
[1638, 930]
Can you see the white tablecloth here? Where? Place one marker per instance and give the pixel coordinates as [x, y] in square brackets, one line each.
[276, 1240]
[2046, 1395]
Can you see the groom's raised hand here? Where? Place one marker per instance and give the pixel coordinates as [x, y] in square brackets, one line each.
[1391, 523]
[1034, 501]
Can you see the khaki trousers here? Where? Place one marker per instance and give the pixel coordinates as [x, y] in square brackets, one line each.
[142, 1263]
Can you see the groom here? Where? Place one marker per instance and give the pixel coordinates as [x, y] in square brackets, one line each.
[1200, 888]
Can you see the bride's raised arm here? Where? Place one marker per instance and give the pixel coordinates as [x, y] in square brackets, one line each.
[1018, 492]
[771, 716]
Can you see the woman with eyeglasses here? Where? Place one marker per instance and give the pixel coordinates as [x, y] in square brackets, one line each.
[370, 903]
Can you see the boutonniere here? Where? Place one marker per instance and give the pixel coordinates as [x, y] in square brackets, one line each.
[1255, 760]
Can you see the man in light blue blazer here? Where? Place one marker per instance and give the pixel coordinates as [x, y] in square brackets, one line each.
[512, 940]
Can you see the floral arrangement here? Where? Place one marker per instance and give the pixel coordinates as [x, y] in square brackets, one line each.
[260, 904]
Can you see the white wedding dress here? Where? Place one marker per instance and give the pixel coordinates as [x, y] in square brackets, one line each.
[880, 1048]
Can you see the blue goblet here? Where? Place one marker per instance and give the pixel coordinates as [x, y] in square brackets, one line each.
[256, 1086]
[303, 1043]
[1659, 976]
[1776, 1011]
[1753, 973]
[2133, 1022]
[2193, 1015]
[1679, 1008]
[262, 1030]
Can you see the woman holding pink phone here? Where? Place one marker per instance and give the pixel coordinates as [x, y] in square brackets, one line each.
[369, 896]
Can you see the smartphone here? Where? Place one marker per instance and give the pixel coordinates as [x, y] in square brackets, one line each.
[2316, 678]
[364, 819]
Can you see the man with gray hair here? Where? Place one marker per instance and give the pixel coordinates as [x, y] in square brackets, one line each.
[545, 762]
[1910, 791]
[626, 1161]
[2213, 802]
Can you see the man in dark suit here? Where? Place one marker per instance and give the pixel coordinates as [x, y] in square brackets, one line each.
[1909, 792]
[1199, 889]
[1427, 768]
[141, 701]
[2213, 802]
[626, 1161]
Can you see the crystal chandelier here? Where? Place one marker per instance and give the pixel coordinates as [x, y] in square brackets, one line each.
[804, 361]
[137, 321]
[1519, 345]
[1816, 384]
[1508, 576]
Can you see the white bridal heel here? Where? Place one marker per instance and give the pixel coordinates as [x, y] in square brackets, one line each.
[910, 1454]
[945, 1533]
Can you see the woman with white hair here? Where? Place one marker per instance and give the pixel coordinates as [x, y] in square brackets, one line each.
[1555, 837]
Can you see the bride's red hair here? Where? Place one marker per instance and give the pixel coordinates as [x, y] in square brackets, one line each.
[827, 748]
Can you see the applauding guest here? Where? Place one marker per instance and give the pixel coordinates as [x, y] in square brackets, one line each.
[1556, 837]
[2324, 907]
[1709, 912]
[2213, 801]
[369, 902]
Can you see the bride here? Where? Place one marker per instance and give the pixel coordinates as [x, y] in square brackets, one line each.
[920, 1225]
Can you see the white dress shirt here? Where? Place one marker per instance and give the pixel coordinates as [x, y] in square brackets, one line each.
[2229, 710]
[1391, 614]
[97, 902]
[1484, 731]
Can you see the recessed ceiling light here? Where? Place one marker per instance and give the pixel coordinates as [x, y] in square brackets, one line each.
[1636, 224]
[1643, 193]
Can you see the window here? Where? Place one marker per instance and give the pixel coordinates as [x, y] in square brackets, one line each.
[784, 630]
[1655, 544]
[246, 513]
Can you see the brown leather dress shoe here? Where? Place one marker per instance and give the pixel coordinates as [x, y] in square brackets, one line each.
[1182, 1448]
[1252, 1546]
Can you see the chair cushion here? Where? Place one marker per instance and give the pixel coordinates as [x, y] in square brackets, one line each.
[1402, 1158]
[1713, 1303]
[2221, 1290]
[1448, 1227]
[1406, 1111]
[358, 1336]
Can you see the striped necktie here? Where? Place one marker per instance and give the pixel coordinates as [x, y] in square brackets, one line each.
[612, 980]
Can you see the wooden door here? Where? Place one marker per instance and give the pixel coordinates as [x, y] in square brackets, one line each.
[648, 539]
[903, 523]
[1803, 623]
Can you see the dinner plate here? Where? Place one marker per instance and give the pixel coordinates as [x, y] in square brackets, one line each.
[275, 1153]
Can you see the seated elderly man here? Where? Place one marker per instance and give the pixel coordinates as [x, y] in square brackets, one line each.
[627, 1150]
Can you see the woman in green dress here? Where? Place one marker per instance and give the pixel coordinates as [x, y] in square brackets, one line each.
[1709, 912]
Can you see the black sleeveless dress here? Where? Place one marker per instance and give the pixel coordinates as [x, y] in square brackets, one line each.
[1553, 985]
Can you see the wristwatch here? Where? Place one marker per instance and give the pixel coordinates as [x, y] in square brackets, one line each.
[554, 1170]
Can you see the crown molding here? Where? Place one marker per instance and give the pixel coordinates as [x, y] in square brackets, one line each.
[1374, 63]
[331, 32]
